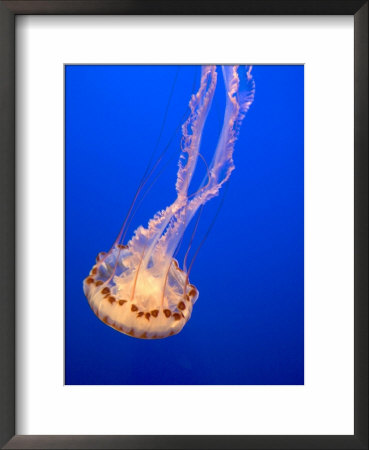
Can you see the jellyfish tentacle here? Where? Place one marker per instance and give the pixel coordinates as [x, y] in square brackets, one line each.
[222, 164]
[199, 105]
[192, 128]
[185, 214]
[191, 240]
[165, 285]
[207, 232]
[207, 177]
[136, 275]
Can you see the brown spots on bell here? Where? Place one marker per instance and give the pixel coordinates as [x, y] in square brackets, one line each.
[131, 332]
[99, 283]
[140, 314]
[167, 312]
[181, 306]
[106, 290]
[171, 333]
[100, 255]
[105, 319]
[193, 291]
[114, 326]
[111, 299]
[94, 271]
[89, 280]
[182, 315]
[122, 302]
[155, 313]
[144, 336]
[175, 263]
[134, 308]
[122, 246]
[176, 316]
[147, 316]
[187, 297]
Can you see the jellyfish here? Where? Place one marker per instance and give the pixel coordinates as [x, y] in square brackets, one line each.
[139, 288]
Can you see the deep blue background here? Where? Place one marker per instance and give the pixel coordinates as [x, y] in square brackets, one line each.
[247, 326]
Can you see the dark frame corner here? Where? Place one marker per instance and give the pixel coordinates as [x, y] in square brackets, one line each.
[8, 11]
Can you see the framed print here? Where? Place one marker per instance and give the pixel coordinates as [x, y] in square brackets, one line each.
[184, 224]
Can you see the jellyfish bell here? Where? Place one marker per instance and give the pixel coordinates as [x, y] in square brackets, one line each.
[148, 314]
[139, 289]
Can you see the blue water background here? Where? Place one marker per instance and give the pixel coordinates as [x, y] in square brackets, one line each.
[247, 326]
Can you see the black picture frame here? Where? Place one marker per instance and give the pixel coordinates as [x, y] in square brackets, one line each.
[8, 12]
